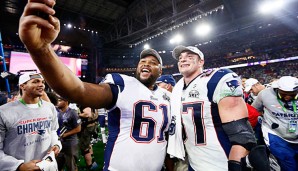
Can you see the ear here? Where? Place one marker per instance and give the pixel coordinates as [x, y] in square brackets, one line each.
[168, 86]
[201, 62]
[22, 86]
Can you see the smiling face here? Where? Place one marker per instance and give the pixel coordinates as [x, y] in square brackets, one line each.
[33, 88]
[189, 64]
[287, 95]
[148, 71]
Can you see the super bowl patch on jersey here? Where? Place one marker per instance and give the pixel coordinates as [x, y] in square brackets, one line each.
[194, 94]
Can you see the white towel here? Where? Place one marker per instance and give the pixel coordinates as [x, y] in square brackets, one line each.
[48, 163]
[175, 144]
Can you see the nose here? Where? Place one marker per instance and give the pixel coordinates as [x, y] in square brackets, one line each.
[182, 58]
[288, 98]
[41, 84]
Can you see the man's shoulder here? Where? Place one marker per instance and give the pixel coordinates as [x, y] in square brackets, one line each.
[73, 111]
[118, 79]
[9, 105]
[267, 92]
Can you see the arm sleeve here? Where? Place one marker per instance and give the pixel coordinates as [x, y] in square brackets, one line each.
[228, 85]
[258, 103]
[76, 121]
[117, 85]
[54, 136]
[7, 162]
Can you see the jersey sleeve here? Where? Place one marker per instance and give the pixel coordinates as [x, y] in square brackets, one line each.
[117, 85]
[229, 85]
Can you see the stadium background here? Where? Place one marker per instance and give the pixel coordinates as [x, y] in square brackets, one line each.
[254, 40]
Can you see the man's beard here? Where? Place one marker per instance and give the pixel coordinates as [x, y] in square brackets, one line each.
[147, 82]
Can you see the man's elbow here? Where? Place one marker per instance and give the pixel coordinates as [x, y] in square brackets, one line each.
[78, 129]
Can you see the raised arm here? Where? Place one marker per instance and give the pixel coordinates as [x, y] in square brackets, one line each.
[37, 34]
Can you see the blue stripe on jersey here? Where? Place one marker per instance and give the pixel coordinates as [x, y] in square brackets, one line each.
[115, 92]
[118, 80]
[212, 83]
[221, 135]
[114, 130]
[190, 168]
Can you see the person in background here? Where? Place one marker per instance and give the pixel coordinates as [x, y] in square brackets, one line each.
[279, 126]
[3, 99]
[252, 87]
[102, 114]
[245, 94]
[166, 82]
[209, 117]
[28, 127]
[69, 127]
[138, 110]
[89, 126]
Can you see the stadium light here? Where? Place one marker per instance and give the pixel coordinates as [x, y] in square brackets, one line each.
[176, 39]
[270, 6]
[203, 29]
[146, 46]
[69, 25]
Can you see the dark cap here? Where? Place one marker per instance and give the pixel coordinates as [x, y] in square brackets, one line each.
[169, 79]
[151, 52]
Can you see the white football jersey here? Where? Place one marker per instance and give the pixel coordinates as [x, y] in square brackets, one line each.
[206, 143]
[137, 124]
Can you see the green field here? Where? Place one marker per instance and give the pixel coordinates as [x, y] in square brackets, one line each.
[98, 150]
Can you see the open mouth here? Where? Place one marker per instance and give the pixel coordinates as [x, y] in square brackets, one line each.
[184, 65]
[145, 70]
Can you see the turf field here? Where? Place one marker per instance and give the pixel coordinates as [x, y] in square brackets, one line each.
[98, 150]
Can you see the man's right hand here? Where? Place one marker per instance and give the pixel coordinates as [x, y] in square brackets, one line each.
[35, 32]
[29, 166]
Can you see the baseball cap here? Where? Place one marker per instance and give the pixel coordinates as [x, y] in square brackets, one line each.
[179, 49]
[148, 52]
[169, 79]
[28, 76]
[287, 83]
[249, 83]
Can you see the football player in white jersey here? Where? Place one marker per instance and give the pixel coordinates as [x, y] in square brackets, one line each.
[139, 110]
[280, 117]
[209, 117]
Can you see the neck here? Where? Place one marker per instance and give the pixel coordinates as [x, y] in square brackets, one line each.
[188, 79]
[30, 100]
[151, 87]
[64, 108]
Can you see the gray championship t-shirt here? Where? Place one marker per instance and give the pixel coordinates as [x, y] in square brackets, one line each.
[26, 133]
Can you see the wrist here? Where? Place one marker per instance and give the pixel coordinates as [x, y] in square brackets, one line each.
[56, 145]
[19, 167]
